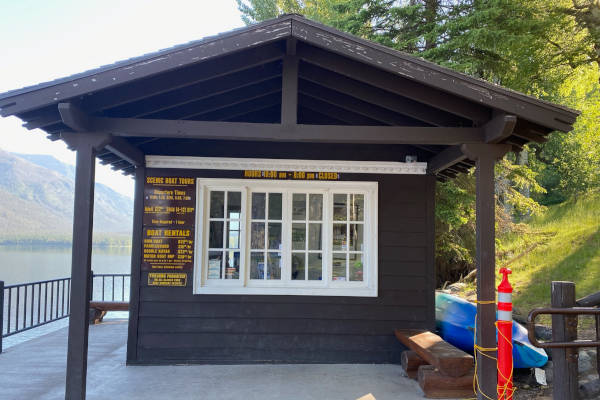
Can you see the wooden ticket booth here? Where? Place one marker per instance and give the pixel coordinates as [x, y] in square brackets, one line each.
[285, 182]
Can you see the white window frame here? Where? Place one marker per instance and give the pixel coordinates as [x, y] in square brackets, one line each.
[286, 286]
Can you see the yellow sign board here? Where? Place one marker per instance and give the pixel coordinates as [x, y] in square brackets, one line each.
[167, 279]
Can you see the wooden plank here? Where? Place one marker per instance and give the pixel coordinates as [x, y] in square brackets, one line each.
[110, 305]
[446, 158]
[195, 92]
[379, 95]
[123, 149]
[271, 326]
[336, 112]
[136, 260]
[124, 72]
[486, 156]
[241, 109]
[564, 329]
[438, 386]
[140, 90]
[591, 300]
[289, 87]
[130, 127]
[291, 342]
[194, 109]
[220, 355]
[450, 360]
[355, 105]
[392, 297]
[284, 310]
[430, 252]
[397, 83]
[500, 127]
[428, 75]
[83, 217]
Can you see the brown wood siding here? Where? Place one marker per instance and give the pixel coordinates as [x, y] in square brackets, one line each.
[176, 326]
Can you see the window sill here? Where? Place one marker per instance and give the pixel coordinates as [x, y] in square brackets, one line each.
[356, 291]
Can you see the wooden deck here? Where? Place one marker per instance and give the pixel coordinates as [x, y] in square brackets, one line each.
[36, 370]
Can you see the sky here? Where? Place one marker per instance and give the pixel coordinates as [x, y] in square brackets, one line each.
[41, 40]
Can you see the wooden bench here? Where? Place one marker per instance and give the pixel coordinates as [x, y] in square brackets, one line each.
[449, 360]
[98, 309]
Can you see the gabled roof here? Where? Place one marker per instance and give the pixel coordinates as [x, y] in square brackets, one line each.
[236, 76]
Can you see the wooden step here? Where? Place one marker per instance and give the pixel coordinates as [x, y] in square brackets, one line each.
[449, 360]
[411, 362]
[438, 386]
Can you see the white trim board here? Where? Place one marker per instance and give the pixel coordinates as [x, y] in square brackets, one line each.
[222, 163]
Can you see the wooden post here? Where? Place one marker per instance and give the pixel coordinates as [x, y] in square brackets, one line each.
[485, 156]
[597, 348]
[564, 329]
[1, 313]
[289, 85]
[86, 145]
[136, 261]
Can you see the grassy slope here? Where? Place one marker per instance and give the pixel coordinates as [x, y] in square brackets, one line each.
[563, 244]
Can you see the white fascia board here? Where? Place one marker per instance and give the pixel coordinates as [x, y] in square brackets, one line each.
[352, 167]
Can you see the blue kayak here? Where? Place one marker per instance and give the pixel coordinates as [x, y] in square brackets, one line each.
[455, 320]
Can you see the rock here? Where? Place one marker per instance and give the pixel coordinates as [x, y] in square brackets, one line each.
[540, 376]
[543, 332]
[585, 363]
[456, 287]
[590, 390]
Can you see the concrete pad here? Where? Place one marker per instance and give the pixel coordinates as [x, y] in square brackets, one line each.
[36, 370]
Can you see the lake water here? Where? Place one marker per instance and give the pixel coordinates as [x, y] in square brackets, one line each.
[20, 264]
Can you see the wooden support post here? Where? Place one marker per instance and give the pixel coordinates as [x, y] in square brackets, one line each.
[289, 87]
[485, 156]
[564, 329]
[1, 313]
[86, 146]
[136, 261]
[597, 348]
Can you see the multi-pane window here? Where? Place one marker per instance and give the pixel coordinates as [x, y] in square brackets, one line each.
[266, 235]
[224, 235]
[307, 238]
[348, 236]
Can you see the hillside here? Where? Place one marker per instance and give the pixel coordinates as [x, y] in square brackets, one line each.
[36, 201]
[561, 245]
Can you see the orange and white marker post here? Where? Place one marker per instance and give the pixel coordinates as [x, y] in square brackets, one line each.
[504, 324]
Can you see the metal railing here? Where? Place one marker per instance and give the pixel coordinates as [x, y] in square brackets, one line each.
[30, 305]
[565, 312]
[106, 286]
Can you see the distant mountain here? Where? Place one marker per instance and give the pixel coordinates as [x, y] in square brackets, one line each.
[36, 200]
